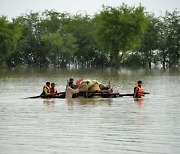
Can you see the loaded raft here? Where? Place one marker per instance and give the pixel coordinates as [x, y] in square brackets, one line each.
[87, 89]
[87, 94]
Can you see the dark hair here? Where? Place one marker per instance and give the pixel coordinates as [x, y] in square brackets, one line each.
[52, 84]
[71, 79]
[139, 81]
[47, 82]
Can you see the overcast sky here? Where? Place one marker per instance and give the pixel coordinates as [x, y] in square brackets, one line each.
[13, 8]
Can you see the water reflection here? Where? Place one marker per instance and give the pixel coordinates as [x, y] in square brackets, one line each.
[94, 125]
[139, 101]
[89, 101]
[49, 103]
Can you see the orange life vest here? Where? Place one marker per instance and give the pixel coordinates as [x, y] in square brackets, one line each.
[53, 90]
[48, 89]
[139, 92]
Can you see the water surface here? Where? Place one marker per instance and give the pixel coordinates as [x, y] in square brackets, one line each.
[113, 125]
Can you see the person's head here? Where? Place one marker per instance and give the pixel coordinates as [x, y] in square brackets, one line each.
[71, 80]
[48, 84]
[101, 86]
[52, 84]
[139, 83]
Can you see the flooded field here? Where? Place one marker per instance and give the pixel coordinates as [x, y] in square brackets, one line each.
[96, 125]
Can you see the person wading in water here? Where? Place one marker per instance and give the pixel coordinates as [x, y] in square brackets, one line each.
[138, 91]
[71, 89]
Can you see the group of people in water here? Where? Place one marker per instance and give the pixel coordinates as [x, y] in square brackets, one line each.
[87, 85]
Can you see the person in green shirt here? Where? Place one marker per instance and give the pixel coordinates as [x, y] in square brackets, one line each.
[46, 89]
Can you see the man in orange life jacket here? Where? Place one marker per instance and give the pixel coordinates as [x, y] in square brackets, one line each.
[53, 89]
[138, 91]
[46, 89]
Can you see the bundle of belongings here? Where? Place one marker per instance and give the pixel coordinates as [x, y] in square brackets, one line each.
[92, 85]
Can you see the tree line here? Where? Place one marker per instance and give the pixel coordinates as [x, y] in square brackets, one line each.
[116, 36]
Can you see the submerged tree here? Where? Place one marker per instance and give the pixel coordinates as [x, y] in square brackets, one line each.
[124, 35]
[81, 28]
[118, 30]
[170, 36]
[150, 41]
[10, 33]
[59, 49]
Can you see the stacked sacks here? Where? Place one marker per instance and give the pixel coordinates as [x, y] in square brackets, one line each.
[89, 85]
[94, 86]
[84, 85]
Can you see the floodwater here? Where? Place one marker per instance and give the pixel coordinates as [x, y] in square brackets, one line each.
[112, 125]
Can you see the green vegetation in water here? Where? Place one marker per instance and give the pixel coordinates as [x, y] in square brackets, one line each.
[114, 37]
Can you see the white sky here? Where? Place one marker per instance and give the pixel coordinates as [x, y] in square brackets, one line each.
[13, 8]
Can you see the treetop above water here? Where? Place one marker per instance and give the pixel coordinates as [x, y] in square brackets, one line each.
[114, 37]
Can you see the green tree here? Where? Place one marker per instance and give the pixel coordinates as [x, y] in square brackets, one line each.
[60, 44]
[52, 21]
[10, 33]
[44, 40]
[59, 48]
[133, 60]
[81, 28]
[118, 30]
[31, 46]
[150, 41]
[170, 36]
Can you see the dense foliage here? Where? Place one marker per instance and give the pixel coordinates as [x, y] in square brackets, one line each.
[122, 36]
[119, 30]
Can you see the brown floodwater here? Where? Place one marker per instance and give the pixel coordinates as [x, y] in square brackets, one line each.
[96, 125]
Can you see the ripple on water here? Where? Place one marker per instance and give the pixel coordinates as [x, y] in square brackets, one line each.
[118, 125]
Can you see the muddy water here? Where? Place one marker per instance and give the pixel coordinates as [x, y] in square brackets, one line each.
[97, 125]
